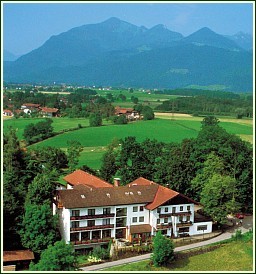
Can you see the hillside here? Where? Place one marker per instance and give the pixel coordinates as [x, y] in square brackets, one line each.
[118, 53]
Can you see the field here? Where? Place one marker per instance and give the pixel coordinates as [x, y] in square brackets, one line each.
[166, 128]
[234, 256]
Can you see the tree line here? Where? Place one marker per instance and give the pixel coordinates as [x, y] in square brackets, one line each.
[207, 105]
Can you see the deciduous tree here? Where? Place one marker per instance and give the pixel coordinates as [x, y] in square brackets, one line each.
[39, 227]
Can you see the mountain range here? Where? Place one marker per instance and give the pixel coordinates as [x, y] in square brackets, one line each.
[117, 53]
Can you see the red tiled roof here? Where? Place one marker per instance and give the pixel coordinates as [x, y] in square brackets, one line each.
[49, 110]
[31, 105]
[18, 255]
[97, 192]
[82, 177]
[141, 182]
[163, 194]
[119, 110]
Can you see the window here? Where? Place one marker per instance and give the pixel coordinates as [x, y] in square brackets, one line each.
[166, 209]
[158, 221]
[106, 233]
[106, 210]
[74, 224]
[75, 213]
[187, 218]
[85, 235]
[183, 229]
[106, 221]
[165, 220]
[174, 209]
[121, 211]
[181, 208]
[74, 237]
[158, 210]
[135, 209]
[141, 208]
[91, 223]
[134, 219]
[96, 234]
[180, 218]
[141, 219]
[188, 208]
[91, 211]
[202, 227]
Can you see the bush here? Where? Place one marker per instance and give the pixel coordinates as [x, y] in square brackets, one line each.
[163, 250]
[100, 252]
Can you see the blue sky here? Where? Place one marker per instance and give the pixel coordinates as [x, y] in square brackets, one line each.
[26, 26]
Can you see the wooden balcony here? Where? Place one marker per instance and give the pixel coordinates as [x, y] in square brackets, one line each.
[91, 227]
[165, 215]
[94, 241]
[97, 216]
[164, 226]
[184, 224]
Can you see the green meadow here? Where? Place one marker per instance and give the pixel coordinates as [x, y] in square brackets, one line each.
[95, 139]
[235, 256]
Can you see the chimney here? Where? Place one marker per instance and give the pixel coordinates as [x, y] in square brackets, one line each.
[116, 182]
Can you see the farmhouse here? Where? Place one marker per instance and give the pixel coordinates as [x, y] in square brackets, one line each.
[49, 112]
[93, 211]
[130, 113]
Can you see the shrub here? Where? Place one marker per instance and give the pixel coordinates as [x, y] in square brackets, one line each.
[163, 250]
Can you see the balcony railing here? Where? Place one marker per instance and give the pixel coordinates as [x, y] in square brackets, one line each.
[164, 226]
[165, 215]
[182, 224]
[91, 227]
[96, 216]
[94, 241]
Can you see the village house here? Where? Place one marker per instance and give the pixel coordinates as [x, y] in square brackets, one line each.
[92, 211]
[7, 113]
[28, 108]
[49, 112]
[130, 113]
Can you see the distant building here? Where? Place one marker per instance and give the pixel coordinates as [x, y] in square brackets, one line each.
[49, 112]
[7, 113]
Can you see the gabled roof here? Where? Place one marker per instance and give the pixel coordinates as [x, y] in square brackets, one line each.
[119, 110]
[18, 255]
[31, 105]
[49, 110]
[84, 178]
[82, 196]
[163, 194]
[91, 191]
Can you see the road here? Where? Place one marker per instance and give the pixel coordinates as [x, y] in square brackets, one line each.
[247, 224]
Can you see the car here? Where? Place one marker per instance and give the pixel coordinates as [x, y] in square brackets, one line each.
[239, 215]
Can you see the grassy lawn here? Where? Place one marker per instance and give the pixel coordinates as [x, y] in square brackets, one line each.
[234, 256]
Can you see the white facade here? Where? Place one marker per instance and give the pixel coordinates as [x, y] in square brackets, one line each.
[116, 221]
